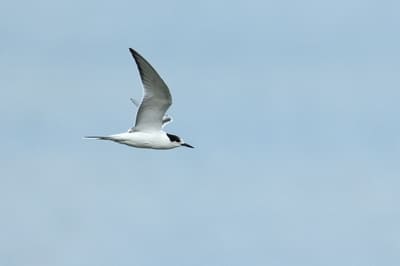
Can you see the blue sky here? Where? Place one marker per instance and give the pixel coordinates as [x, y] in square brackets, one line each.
[292, 106]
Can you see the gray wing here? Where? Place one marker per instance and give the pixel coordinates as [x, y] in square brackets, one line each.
[165, 120]
[156, 99]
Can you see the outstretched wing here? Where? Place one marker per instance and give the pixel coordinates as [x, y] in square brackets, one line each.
[165, 120]
[156, 99]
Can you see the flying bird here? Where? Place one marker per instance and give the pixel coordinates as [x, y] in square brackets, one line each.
[151, 115]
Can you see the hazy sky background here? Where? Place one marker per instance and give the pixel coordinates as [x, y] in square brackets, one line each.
[293, 107]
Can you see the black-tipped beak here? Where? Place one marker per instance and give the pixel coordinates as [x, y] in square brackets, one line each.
[187, 145]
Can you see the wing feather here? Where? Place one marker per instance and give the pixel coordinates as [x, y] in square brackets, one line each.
[156, 99]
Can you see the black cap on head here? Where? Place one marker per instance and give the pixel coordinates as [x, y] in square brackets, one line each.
[173, 138]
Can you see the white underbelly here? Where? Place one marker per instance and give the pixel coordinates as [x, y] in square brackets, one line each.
[145, 140]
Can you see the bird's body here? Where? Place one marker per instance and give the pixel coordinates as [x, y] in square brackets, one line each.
[159, 140]
[151, 117]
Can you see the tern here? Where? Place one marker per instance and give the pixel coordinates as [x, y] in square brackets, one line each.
[151, 115]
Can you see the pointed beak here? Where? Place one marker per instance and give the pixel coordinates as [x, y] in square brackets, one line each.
[187, 145]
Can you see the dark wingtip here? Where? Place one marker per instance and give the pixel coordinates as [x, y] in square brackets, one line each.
[133, 52]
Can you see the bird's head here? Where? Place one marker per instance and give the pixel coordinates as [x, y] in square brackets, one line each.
[178, 141]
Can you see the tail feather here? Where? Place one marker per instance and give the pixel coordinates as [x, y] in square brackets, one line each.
[97, 137]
